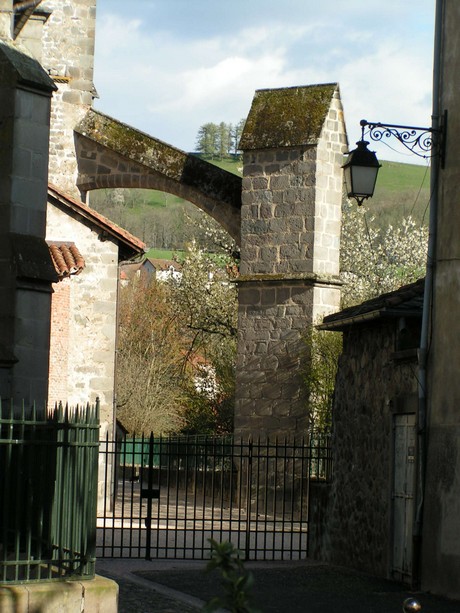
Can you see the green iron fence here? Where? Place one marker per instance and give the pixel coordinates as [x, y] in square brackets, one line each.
[48, 493]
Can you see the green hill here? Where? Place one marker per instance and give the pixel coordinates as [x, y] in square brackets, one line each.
[162, 220]
[401, 190]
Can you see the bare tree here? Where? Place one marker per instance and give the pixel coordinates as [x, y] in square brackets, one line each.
[150, 372]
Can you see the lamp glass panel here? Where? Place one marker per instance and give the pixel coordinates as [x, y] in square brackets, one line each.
[363, 180]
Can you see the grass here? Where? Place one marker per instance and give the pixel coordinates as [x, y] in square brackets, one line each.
[160, 254]
[400, 177]
[401, 190]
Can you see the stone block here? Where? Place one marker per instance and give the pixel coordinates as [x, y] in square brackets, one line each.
[266, 208]
[252, 169]
[268, 296]
[99, 594]
[283, 295]
[72, 97]
[281, 182]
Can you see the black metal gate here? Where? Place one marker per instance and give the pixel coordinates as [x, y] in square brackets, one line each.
[166, 497]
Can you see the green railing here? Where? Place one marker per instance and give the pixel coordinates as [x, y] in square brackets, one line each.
[171, 450]
[48, 493]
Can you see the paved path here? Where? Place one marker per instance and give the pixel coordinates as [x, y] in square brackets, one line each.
[178, 586]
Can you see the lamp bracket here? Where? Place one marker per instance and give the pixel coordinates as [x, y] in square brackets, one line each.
[423, 142]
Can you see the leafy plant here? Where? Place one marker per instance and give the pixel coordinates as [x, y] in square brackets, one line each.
[324, 349]
[235, 579]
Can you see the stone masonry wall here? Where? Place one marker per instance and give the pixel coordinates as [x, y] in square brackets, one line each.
[92, 323]
[329, 191]
[271, 322]
[68, 55]
[277, 214]
[356, 518]
[6, 18]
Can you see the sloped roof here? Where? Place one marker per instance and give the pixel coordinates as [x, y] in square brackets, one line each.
[22, 68]
[287, 117]
[161, 264]
[126, 240]
[66, 258]
[407, 301]
[129, 269]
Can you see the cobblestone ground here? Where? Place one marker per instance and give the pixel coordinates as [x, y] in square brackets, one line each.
[136, 598]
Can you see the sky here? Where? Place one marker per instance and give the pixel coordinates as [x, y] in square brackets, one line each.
[167, 67]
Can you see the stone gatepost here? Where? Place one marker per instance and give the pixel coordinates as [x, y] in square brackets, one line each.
[293, 144]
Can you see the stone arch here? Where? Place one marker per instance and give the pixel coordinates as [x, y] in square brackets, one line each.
[112, 154]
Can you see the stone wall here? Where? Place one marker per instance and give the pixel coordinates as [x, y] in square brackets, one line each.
[67, 54]
[353, 518]
[272, 319]
[91, 328]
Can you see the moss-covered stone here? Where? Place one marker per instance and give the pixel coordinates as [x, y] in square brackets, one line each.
[287, 117]
[162, 158]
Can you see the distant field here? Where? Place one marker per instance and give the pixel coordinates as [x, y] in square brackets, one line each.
[399, 177]
[401, 190]
[160, 254]
[234, 166]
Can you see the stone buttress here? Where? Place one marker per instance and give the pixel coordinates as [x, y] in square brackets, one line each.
[293, 144]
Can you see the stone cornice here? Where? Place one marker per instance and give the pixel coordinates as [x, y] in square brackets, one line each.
[306, 278]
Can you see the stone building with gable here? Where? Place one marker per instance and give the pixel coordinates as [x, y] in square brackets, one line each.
[84, 302]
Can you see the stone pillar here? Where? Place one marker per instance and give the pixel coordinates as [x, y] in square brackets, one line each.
[26, 270]
[293, 144]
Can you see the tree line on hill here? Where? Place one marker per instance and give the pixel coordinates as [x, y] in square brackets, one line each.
[219, 141]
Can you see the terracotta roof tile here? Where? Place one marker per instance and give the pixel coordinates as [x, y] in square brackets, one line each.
[66, 258]
[160, 264]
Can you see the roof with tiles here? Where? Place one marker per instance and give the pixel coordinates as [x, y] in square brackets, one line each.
[66, 258]
[131, 244]
[407, 301]
[160, 264]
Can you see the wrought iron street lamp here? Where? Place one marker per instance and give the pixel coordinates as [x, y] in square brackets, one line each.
[362, 165]
[361, 171]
